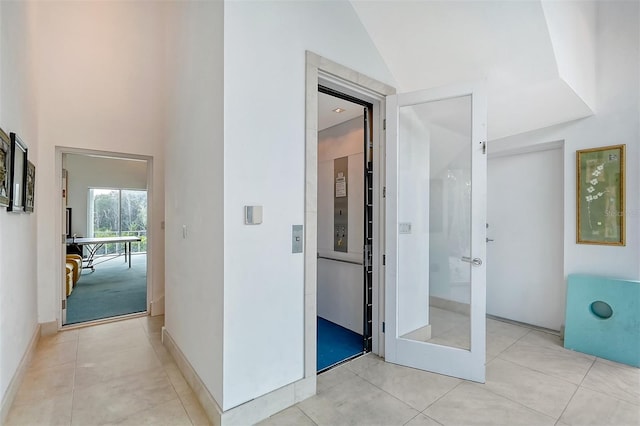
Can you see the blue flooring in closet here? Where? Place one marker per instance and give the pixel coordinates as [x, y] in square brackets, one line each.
[336, 343]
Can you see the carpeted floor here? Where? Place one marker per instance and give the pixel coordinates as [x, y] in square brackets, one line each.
[112, 289]
[336, 344]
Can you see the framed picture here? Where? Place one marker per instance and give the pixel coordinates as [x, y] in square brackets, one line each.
[600, 196]
[5, 168]
[18, 174]
[30, 188]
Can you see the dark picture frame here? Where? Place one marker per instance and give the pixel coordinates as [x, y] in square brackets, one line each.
[5, 168]
[600, 196]
[30, 187]
[18, 174]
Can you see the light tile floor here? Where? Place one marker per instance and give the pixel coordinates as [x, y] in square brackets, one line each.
[115, 373]
[531, 380]
[119, 373]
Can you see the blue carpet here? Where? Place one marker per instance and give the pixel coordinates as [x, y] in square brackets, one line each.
[112, 289]
[335, 344]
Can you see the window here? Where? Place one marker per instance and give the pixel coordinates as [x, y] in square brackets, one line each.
[118, 212]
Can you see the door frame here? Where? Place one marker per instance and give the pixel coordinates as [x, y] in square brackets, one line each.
[323, 71]
[59, 282]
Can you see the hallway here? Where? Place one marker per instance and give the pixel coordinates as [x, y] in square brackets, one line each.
[115, 373]
[119, 373]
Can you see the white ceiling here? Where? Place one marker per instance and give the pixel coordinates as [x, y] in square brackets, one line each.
[327, 118]
[508, 44]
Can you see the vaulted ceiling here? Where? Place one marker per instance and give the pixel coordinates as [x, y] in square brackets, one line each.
[536, 57]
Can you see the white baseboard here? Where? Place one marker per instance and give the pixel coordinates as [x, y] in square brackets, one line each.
[48, 328]
[250, 412]
[208, 402]
[157, 307]
[16, 380]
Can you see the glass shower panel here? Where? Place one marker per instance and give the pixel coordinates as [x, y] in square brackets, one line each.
[434, 215]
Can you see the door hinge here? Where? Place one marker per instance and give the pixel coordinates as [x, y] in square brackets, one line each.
[383, 326]
[384, 124]
[384, 192]
[64, 304]
[64, 239]
[484, 147]
[384, 259]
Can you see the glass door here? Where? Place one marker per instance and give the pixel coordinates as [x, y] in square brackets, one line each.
[436, 230]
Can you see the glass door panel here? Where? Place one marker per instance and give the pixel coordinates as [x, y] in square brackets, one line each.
[434, 214]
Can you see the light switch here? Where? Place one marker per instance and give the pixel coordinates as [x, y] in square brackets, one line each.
[296, 239]
[404, 228]
[252, 215]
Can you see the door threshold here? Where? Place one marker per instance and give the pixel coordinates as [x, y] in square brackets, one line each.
[351, 358]
[104, 321]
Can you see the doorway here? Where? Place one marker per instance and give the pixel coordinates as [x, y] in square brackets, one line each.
[105, 211]
[525, 217]
[345, 228]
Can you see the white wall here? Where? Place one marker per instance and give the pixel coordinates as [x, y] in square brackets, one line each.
[101, 86]
[617, 121]
[340, 285]
[414, 144]
[194, 190]
[18, 285]
[86, 172]
[264, 92]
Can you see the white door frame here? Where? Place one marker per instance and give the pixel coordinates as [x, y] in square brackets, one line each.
[345, 80]
[60, 253]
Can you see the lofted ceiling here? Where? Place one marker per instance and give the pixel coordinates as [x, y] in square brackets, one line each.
[534, 56]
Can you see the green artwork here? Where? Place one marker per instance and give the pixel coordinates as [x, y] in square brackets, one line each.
[600, 195]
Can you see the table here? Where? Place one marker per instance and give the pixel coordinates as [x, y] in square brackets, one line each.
[94, 244]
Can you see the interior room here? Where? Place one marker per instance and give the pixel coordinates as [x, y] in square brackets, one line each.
[342, 313]
[505, 283]
[104, 197]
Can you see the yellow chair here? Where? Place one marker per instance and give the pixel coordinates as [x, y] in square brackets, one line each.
[77, 266]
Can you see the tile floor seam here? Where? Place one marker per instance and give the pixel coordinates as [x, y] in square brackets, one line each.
[543, 373]
[443, 395]
[576, 391]
[516, 402]
[73, 386]
[388, 393]
[305, 414]
[598, 391]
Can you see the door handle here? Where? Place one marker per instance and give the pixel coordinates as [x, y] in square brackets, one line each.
[490, 239]
[476, 261]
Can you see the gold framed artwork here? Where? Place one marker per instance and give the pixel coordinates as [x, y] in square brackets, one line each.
[600, 196]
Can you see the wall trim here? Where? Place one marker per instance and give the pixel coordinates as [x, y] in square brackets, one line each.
[248, 413]
[208, 402]
[18, 376]
[48, 328]
[156, 307]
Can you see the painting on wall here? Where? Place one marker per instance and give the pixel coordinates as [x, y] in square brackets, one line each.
[18, 174]
[5, 168]
[30, 188]
[600, 196]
